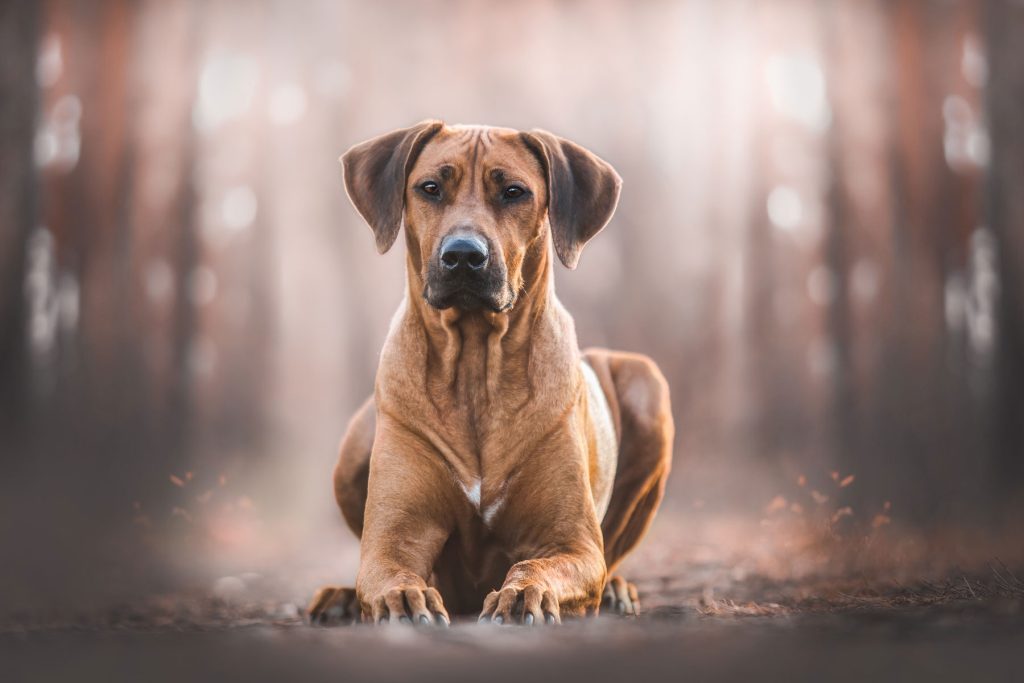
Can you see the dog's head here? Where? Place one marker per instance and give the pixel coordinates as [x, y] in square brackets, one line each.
[476, 201]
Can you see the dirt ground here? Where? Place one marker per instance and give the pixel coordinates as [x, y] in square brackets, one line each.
[708, 622]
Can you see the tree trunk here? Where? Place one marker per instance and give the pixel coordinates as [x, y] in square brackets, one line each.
[1005, 212]
[18, 107]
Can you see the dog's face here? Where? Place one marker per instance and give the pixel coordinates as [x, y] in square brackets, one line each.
[476, 201]
[474, 204]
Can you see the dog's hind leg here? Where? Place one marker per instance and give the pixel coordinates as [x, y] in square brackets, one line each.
[639, 397]
[352, 472]
[338, 604]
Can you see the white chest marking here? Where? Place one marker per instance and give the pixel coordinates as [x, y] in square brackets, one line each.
[491, 510]
[487, 512]
[472, 493]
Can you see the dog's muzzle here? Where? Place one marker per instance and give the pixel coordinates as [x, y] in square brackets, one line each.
[463, 275]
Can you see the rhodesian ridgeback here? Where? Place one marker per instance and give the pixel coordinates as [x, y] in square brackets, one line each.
[497, 470]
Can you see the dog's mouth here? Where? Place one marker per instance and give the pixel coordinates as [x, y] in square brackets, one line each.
[469, 297]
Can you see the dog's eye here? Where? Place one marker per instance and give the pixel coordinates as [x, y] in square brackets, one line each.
[513, 192]
[431, 188]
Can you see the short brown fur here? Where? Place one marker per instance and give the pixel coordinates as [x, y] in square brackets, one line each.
[469, 476]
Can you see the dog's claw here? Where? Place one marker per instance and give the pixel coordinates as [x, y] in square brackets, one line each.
[520, 604]
[408, 605]
[333, 605]
[621, 596]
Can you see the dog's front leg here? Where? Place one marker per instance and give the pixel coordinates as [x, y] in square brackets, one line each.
[407, 521]
[550, 519]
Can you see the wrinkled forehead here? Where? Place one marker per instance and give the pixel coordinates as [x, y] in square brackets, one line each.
[457, 150]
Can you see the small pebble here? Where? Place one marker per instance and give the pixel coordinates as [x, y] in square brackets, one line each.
[228, 587]
[288, 610]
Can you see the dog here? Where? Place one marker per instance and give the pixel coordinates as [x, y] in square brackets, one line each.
[497, 470]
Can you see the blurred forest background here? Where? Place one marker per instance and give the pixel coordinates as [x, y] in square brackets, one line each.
[820, 240]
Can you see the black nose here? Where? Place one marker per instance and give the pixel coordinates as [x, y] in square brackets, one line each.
[463, 252]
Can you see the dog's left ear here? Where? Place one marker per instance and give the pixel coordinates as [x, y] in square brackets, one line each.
[583, 191]
[375, 173]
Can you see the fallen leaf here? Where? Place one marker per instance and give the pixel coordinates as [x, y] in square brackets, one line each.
[841, 512]
[181, 512]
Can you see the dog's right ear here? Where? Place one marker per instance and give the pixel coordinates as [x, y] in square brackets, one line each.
[375, 173]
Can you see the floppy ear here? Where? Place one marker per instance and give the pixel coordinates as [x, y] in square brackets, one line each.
[583, 191]
[375, 173]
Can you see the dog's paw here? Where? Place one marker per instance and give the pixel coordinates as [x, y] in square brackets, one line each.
[410, 605]
[620, 597]
[528, 604]
[333, 605]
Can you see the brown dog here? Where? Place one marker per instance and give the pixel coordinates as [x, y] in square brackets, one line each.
[497, 469]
